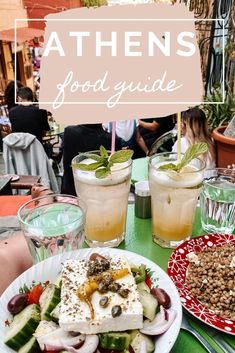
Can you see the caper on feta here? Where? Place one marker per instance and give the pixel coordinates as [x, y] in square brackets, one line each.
[104, 301]
[116, 311]
[123, 292]
[114, 287]
[102, 287]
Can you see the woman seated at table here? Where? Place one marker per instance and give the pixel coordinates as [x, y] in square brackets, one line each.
[194, 129]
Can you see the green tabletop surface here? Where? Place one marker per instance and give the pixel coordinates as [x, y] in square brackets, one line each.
[140, 169]
[139, 238]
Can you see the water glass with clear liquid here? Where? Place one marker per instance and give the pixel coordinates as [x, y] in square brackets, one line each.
[52, 224]
[217, 201]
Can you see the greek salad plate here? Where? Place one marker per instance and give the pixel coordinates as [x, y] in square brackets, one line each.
[178, 266]
[49, 269]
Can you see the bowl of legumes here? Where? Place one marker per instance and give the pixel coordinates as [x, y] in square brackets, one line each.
[203, 270]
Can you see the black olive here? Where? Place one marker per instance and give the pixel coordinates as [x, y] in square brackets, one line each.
[17, 303]
[104, 302]
[116, 311]
[123, 292]
[95, 256]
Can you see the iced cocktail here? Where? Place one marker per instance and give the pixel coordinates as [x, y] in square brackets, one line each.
[106, 199]
[174, 197]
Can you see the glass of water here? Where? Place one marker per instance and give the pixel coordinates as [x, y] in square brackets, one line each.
[217, 201]
[52, 224]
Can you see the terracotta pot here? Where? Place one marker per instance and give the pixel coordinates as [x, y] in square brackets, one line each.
[225, 147]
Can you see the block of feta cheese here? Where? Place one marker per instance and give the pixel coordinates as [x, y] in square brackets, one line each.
[75, 314]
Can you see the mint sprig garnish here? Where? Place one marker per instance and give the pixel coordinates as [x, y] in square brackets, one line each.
[103, 163]
[192, 152]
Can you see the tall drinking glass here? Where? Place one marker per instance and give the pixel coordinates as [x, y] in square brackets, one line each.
[52, 224]
[217, 201]
[106, 200]
[174, 198]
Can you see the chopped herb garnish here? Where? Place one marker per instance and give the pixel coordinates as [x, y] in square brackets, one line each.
[192, 152]
[103, 163]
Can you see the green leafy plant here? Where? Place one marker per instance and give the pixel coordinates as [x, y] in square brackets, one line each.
[103, 162]
[192, 152]
[219, 114]
[94, 3]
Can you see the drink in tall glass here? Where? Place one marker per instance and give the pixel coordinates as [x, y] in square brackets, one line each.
[174, 198]
[106, 200]
[52, 224]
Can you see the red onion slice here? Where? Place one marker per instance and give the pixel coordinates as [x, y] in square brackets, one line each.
[89, 346]
[160, 324]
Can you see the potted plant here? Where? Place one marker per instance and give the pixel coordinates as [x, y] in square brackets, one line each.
[218, 116]
[94, 3]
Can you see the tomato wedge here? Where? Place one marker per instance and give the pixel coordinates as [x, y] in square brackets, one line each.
[148, 280]
[34, 294]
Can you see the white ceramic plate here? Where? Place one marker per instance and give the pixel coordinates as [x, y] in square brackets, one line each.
[48, 270]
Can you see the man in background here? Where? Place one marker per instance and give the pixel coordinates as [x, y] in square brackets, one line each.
[25, 117]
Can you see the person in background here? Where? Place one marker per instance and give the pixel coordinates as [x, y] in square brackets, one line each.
[82, 138]
[9, 93]
[194, 129]
[25, 117]
[128, 132]
[151, 129]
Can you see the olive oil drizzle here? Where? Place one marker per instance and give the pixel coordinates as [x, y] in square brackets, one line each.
[86, 290]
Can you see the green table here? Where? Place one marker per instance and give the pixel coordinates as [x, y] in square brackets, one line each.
[140, 169]
[139, 238]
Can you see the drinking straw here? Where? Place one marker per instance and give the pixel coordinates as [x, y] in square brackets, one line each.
[178, 137]
[113, 137]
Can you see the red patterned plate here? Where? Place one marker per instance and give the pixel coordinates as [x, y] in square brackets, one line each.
[177, 267]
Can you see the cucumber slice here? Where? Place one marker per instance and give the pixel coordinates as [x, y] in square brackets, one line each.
[115, 340]
[31, 346]
[143, 286]
[135, 344]
[133, 333]
[22, 327]
[55, 313]
[48, 301]
[149, 303]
